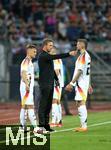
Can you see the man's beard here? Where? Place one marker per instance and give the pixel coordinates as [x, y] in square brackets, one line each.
[48, 50]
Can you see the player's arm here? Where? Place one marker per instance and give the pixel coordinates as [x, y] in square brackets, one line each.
[90, 90]
[56, 67]
[58, 56]
[69, 87]
[25, 79]
[57, 71]
[56, 79]
[81, 66]
[24, 69]
[76, 77]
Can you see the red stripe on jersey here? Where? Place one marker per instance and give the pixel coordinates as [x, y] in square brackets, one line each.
[82, 59]
[25, 98]
[57, 89]
[81, 93]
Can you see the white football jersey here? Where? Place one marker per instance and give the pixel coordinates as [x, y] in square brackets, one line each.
[27, 66]
[59, 65]
[83, 63]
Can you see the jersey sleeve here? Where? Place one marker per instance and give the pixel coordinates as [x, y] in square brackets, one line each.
[24, 65]
[81, 63]
[56, 64]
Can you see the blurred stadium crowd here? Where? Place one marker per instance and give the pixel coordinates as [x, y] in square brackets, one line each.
[64, 20]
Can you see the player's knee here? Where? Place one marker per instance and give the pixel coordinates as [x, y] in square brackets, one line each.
[58, 102]
[79, 103]
[54, 101]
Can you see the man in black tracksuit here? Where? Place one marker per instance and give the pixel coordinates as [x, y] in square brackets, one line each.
[46, 81]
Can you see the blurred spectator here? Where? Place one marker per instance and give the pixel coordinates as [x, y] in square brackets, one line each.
[3, 14]
[62, 28]
[50, 23]
[73, 31]
[64, 46]
[64, 20]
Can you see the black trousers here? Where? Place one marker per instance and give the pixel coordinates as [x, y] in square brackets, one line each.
[45, 105]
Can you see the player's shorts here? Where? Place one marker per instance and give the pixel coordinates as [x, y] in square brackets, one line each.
[81, 93]
[26, 97]
[57, 93]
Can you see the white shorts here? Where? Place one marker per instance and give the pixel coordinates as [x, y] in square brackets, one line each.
[81, 93]
[26, 98]
[57, 93]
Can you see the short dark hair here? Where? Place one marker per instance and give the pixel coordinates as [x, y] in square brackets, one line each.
[83, 41]
[30, 46]
[46, 41]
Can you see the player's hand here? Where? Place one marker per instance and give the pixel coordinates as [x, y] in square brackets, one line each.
[73, 53]
[69, 88]
[90, 90]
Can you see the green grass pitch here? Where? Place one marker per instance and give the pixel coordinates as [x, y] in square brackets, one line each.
[98, 136]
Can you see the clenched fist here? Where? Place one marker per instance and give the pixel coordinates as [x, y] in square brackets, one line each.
[69, 88]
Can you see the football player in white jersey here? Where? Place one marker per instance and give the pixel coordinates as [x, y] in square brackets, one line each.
[82, 83]
[56, 105]
[26, 89]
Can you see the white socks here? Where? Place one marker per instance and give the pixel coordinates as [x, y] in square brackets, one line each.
[59, 117]
[31, 115]
[23, 116]
[56, 113]
[82, 111]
